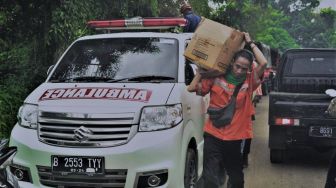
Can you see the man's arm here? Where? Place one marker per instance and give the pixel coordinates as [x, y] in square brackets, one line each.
[260, 58]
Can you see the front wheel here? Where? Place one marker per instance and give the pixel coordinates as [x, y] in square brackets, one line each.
[190, 171]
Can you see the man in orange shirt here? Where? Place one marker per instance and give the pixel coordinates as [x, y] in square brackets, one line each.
[224, 144]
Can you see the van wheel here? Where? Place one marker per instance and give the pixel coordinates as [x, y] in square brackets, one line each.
[190, 171]
[277, 155]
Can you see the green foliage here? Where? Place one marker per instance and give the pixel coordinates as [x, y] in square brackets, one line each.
[264, 23]
[228, 14]
[312, 29]
[154, 7]
[17, 76]
[11, 97]
[277, 38]
[329, 17]
[69, 20]
[289, 7]
[168, 8]
[201, 7]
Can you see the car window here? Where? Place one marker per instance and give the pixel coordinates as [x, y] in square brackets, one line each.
[313, 65]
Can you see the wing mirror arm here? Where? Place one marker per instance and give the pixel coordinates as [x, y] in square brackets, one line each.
[50, 69]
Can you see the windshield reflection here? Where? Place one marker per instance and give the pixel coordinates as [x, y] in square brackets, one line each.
[118, 58]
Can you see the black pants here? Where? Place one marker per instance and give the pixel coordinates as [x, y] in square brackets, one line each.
[331, 177]
[247, 147]
[220, 155]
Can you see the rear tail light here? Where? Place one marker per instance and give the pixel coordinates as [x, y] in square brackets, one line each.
[287, 121]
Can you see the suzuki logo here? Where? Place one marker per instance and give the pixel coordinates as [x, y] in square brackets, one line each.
[82, 134]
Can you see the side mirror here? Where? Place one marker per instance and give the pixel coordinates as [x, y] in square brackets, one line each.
[50, 69]
[3, 143]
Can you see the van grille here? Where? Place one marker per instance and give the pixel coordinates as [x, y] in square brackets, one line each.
[85, 130]
[111, 179]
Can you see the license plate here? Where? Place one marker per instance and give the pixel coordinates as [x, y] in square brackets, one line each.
[77, 164]
[321, 131]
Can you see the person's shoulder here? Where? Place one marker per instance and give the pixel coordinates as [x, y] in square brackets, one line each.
[189, 16]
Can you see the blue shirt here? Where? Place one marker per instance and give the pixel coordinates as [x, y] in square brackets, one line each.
[192, 22]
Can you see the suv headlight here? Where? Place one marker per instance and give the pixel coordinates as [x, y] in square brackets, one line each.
[27, 116]
[160, 117]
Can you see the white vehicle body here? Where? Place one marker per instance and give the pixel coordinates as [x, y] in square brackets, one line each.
[85, 123]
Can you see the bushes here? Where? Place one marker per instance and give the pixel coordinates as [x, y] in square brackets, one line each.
[11, 97]
[31, 41]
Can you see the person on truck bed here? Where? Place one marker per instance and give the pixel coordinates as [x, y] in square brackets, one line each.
[192, 19]
[224, 143]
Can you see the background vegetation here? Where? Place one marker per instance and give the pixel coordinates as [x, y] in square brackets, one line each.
[34, 33]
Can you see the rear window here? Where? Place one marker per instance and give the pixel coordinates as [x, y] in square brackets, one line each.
[117, 58]
[312, 64]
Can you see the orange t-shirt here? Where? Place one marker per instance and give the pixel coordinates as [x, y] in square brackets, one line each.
[220, 93]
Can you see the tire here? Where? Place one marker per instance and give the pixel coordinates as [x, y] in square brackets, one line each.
[277, 155]
[190, 170]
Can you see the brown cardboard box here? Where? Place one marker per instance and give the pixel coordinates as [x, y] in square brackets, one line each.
[213, 45]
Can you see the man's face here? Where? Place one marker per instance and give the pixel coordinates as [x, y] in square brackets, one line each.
[240, 67]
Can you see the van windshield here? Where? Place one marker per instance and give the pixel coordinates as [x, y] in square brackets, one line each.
[116, 59]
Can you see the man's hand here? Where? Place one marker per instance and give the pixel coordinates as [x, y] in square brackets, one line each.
[247, 37]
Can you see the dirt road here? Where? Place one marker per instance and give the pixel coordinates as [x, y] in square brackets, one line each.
[304, 168]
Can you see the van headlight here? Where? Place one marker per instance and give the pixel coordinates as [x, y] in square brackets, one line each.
[27, 116]
[155, 118]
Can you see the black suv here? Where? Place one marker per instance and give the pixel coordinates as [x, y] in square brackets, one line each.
[298, 103]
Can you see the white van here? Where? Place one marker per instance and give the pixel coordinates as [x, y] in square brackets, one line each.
[113, 112]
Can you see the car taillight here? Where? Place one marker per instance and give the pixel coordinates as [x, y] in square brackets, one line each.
[287, 121]
[138, 23]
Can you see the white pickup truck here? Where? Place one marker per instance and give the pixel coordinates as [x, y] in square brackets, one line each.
[114, 112]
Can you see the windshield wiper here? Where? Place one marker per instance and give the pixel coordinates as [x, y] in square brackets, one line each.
[84, 78]
[152, 78]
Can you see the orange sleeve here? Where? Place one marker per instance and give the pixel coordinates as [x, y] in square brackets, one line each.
[204, 86]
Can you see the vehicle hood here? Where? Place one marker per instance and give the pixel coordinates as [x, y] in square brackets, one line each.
[99, 97]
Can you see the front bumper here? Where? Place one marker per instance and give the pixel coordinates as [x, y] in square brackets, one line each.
[145, 152]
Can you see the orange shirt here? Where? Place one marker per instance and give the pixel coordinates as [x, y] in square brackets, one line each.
[220, 93]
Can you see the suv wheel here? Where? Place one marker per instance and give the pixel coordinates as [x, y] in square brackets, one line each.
[190, 171]
[277, 155]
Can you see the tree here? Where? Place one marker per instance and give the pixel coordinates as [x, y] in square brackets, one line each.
[289, 7]
[264, 23]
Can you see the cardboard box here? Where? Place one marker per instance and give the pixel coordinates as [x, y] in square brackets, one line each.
[213, 45]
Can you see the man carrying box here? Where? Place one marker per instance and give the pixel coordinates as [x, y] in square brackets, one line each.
[222, 143]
